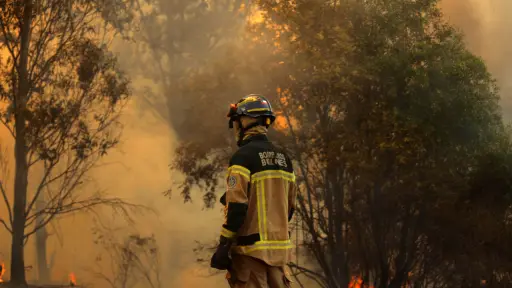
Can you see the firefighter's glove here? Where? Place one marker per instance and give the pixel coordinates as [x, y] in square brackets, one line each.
[220, 259]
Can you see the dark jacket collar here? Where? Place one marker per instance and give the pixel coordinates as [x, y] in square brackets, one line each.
[256, 137]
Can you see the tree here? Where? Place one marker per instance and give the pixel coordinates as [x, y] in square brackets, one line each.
[62, 93]
[388, 116]
[475, 226]
[385, 135]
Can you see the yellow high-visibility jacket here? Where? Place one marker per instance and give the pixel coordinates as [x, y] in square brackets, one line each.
[260, 201]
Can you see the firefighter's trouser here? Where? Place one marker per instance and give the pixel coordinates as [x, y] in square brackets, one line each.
[249, 272]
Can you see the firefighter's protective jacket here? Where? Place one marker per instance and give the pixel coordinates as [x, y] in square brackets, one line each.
[260, 201]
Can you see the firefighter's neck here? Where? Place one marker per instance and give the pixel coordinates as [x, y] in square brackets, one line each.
[257, 130]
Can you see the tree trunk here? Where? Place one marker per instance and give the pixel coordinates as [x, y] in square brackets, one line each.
[20, 147]
[43, 271]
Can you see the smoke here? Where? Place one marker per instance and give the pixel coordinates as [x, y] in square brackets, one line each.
[138, 172]
[487, 28]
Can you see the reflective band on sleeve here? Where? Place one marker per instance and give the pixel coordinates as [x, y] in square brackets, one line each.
[226, 233]
[240, 170]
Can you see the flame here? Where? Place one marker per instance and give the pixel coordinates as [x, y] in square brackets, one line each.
[2, 272]
[72, 279]
[357, 282]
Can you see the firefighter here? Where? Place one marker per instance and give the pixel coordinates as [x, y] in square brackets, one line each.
[259, 202]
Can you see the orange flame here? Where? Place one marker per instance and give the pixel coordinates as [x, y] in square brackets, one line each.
[2, 272]
[357, 282]
[72, 279]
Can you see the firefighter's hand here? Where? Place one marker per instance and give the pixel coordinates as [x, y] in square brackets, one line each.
[220, 259]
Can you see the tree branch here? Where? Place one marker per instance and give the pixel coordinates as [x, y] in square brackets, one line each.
[75, 206]
[5, 225]
[6, 201]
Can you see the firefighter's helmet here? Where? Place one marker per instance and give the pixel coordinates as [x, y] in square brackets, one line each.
[254, 106]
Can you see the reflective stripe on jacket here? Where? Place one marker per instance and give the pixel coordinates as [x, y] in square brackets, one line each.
[260, 200]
